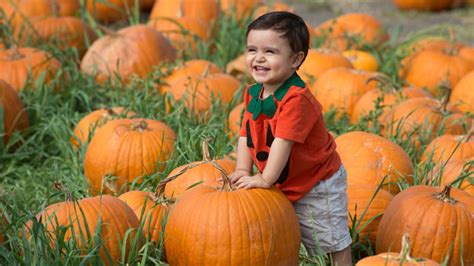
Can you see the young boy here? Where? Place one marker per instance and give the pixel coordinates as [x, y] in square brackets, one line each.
[284, 135]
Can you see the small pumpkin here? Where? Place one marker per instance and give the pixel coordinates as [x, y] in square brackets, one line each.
[447, 147]
[111, 10]
[22, 67]
[362, 60]
[108, 215]
[396, 259]
[126, 149]
[14, 114]
[150, 211]
[205, 10]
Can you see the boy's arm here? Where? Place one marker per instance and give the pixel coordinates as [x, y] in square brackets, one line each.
[244, 160]
[279, 154]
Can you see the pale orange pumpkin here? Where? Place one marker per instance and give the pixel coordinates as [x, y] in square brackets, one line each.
[439, 222]
[107, 215]
[340, 88]
[350, 31]
[126, 149]
[319, 60]
[94, 120]
[205, 173]
[15, 116]
[366, 205]
[370, 160]
[210, 225]
[362, 60]
[131, 51]
[21, 67]
[151, 213]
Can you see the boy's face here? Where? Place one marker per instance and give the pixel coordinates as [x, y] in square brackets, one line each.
[269, 59]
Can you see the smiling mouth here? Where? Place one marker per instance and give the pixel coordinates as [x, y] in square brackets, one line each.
[260, 68]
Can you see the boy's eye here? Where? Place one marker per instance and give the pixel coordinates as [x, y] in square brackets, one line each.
[249, 50]
[269, 51]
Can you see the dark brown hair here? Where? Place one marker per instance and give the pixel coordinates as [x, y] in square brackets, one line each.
[292, 27]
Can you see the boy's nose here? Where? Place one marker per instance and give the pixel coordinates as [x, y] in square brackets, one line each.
[260, 58]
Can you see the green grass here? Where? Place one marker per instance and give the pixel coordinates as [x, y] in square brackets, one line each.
[31, 163]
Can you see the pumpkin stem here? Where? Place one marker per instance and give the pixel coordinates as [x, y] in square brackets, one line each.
[110, 111]
[139, 125]
[15, 53]
[385, 81]
[206, 156]
[405, 253]
[446, 86]
[60, 187]
[445, 195]
[55, 7]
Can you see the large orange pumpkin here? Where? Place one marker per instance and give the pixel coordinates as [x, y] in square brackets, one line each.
[126, 149]
[95, 120]
[319, 60]
[63, 31]
[350, 31]
[134, 50]
[439, 222]
[366, 206]
[205, 172]
[340, 88]
[149, 210]
[370, 159]
[14, 115]
[396, 259]
[222, 226]
[430, 68]
[21, 67]
[462, 95]
[108, 215]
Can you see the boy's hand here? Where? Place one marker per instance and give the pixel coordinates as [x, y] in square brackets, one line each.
[256, 181]
[236, 175]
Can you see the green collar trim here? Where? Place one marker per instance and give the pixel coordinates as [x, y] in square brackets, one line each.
[257, 106]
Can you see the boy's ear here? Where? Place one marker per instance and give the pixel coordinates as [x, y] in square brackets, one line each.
[297, 59]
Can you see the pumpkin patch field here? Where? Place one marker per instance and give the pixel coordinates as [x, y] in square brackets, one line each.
[119, 121]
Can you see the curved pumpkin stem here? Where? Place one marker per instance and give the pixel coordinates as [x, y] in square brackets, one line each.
[206, 156]
[60, 187]
[445, 195]
[384, 80]
[445, 85]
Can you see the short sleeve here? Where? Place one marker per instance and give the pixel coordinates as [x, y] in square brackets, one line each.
[243, 127]
[297, 118]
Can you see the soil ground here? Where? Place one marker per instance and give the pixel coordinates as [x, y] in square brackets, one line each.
[404, 22]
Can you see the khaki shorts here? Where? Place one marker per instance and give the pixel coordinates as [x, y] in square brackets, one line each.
[322, 214]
